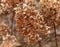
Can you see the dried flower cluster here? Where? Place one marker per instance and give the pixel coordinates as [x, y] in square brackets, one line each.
[7, 39]
[27, 22]
[30, 18]
[50, 11]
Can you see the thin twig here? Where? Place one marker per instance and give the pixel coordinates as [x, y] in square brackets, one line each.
[55, 35]
[39, 43]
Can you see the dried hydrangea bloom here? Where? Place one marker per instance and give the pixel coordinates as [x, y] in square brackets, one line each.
[4, 29]
[6, 39]
[25, 19]
[7, 6]
[50, 10]
[10, 41]
[4, 7]
[29, 22]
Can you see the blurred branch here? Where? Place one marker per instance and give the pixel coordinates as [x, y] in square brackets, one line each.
[55, 34]
[39, 44]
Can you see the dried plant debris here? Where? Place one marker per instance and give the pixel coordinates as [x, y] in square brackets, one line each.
[33, 21]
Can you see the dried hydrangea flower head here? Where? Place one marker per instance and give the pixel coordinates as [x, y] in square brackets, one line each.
[29, 22]
[6, 7]
[25, 19]
[4, 29]
[50, 11]
[10, 41]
